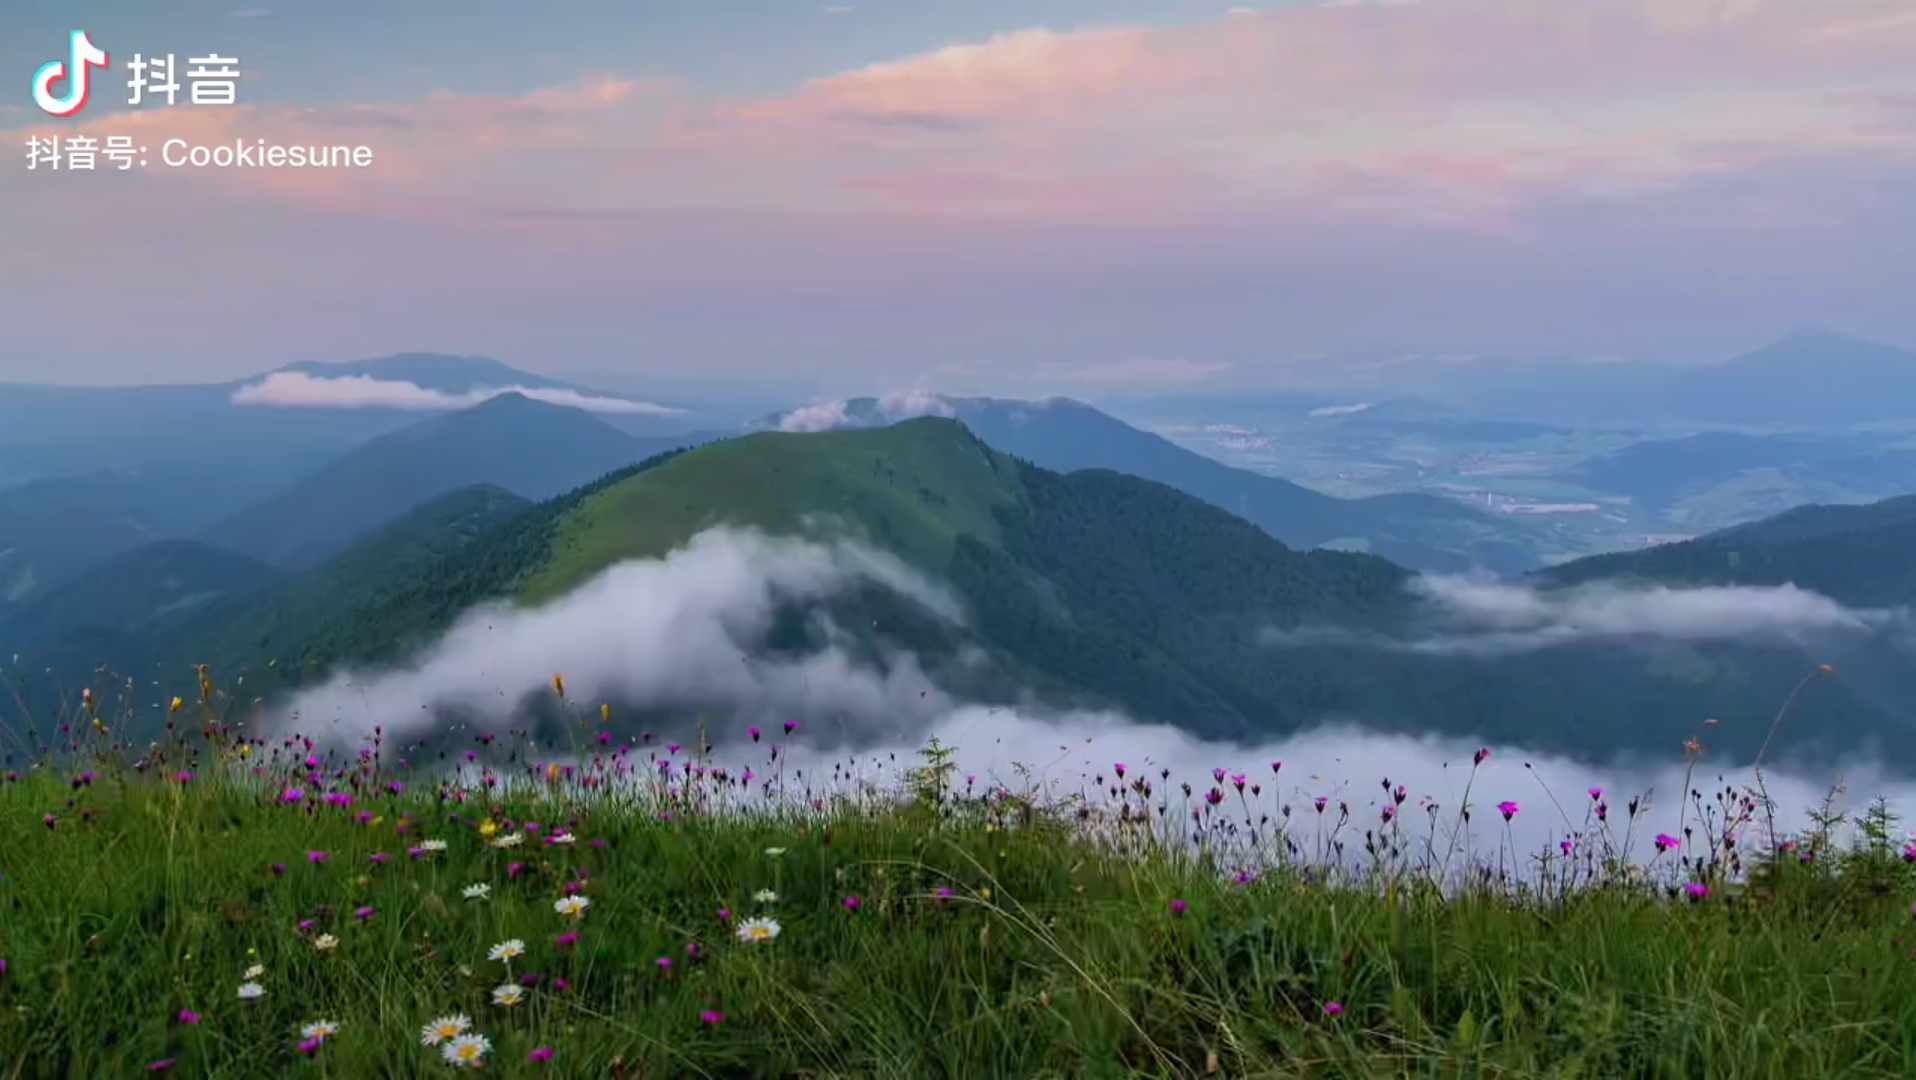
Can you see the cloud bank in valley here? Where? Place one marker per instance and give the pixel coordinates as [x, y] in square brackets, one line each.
[1487, 619]
[678, 633]
[298, 390]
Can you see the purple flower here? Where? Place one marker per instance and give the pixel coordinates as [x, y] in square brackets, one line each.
[543, 1053]
[712, 1016]
[315, 857]
[851, 903]
[1697, 889]
[1596, 793]
[363, 913]
[292, 794]
[188, 1016]
[161, 1065]
[1508, 808]
[1332, 1008]
[567, 938]
[1665, 842]
[1178, 907]
[278, 868]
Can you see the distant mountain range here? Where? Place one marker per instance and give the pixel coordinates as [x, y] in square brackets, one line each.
[1089, 588]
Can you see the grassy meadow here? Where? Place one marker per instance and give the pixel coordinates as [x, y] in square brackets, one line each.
[214, 906]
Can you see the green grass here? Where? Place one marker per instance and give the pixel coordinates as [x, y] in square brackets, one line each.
[1054, 954]
[919, 485]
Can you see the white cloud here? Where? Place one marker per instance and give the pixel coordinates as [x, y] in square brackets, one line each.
[679, 634]
[1343, 410]
[1480, 618]
[889, 409]
[296, 389]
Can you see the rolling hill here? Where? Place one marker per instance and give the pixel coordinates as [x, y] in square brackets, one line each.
[1422, 532]
[1089, 588]
[527, 447]
[52, 530]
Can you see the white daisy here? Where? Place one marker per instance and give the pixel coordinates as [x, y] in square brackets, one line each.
[446, 1027]
[507, 951]
[755, 930]
[562, 838]
[432, 847]
[325, 943]
[319, 1030]
[774, 852]
[468, 1050]
[508, 994]
[510, 840]
[571, 905]
[253, 972]
[251, 991]
[476, 892]
[765, 896]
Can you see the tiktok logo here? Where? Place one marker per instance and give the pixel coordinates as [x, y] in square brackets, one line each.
[80, 55]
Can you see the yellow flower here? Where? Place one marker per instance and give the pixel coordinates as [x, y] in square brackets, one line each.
[558, 683]
[488, 828]
[175, 707]
[605, 714]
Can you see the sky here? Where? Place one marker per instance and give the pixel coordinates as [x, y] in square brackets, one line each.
[977, 197]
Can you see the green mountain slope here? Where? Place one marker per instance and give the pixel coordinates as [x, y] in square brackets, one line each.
[51, 530]
[162, 580]
[528, 447]
[1423, 532]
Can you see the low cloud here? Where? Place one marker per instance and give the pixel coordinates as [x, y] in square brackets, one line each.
[680, 634]
[841, 413]
[298, 390]
[1485, 619]
[1343, 410]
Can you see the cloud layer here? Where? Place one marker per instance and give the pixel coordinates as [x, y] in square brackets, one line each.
[298, 390]
[1487, 619]
[675, 634]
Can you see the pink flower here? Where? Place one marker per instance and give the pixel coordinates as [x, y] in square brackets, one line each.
[315, 857]
[568, 938]
[1332, 1008]
[1665, 842]
[543, 1053]
[712, 1016]
[1508, 808]
[1697, 889]
[188, 1016]
[851, 903]
[1178, 907]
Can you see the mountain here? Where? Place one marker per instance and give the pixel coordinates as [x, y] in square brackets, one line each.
[150, 582]
[1857, 555]
[242, 616]
[1423, 532]
[51, 530]
[1090, 588]
[527, 447]
[1748, 475]
[189, 430]
[1814, 376]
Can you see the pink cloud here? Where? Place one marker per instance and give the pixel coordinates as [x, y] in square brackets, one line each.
[1457, 112]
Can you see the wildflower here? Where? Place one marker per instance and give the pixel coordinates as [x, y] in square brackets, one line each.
[161, 1065]
[571, 905]
[468, 1050]
[446, 1027]
[432, 847]
[253, 973]
[712, 1016]
[507, 951]
[377, 857]
[315, 857]
[189, 1017]
[278, 868]
[1665, 842]
[756, 930]
[1508, 808]
[543, 1053]
[509, 840]
[774, 852]
[1332, 1008]
[1596, 793]
[319, 1030]
[570, 937]
[851, 903]
[663, 963]
[363, 913]
[1178, 907]
[310, 1046]
[488, 829]
[251, 991]
[1697, 889]
[725, 914]
[561, 838]
[767, 896]
[325, 943]
[506, 995]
